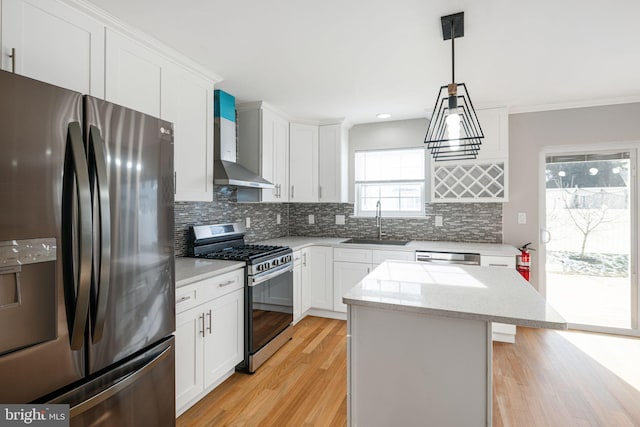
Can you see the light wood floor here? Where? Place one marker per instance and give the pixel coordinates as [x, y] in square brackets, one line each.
[543, 380]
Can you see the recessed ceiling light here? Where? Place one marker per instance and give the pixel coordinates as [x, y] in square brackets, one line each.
[383, 115]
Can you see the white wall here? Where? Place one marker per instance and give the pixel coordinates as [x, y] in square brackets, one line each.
[529, 133]
[384, 135]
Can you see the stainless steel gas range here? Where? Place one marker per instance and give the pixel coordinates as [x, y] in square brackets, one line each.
[268, 287]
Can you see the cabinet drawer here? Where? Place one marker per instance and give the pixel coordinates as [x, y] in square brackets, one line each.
[378, 257]
[352, 255]
[498, 261]
[186, 297]
[221, 285]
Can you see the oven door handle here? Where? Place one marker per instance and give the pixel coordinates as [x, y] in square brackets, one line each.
[256, 280]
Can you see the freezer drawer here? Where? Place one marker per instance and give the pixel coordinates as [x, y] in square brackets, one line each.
[139, 393]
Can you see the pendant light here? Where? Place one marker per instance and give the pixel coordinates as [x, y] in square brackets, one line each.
[454, 132]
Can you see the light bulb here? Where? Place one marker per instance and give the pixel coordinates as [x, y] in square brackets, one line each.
[453, 131]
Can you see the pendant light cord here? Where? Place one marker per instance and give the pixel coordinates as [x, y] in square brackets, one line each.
[453, 56]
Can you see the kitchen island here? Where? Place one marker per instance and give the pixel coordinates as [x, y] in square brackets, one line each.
[419, 341]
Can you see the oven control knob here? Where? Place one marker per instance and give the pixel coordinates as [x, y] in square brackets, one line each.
[275, 262]
[288, 258]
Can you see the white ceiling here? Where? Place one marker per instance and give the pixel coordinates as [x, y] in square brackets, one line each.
[327, 59]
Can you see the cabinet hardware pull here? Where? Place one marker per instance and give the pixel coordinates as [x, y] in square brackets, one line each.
[183, 299]
[304, 259]
[292, 191]
[209, 322]
[12, 55]
[201, 317]
[319, 191]
[175, 182]
[498, 265]
[227, 283]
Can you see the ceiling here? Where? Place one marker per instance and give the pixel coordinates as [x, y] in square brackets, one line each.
[329, 59]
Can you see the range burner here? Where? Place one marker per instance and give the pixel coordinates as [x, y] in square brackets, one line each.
[226, 242]
[245, 252]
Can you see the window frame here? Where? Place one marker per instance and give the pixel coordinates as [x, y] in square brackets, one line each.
[359, 185]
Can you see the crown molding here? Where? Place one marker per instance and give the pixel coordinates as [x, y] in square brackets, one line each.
[573, 105]
[122, 27]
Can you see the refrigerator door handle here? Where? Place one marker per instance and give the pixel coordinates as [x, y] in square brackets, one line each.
[76, 235]
[119, 386]
[102, 264]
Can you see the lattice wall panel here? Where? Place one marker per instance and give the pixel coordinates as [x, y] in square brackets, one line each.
[470, 181]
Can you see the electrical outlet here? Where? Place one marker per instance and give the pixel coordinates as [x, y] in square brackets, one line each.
[522, 218]
[312, 219]
[278, 219]
[340, 219]
[438, 220]
[248, 222]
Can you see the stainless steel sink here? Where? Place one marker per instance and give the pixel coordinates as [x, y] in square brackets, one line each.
[377, 242]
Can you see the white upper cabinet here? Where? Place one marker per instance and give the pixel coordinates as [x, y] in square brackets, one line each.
[333, 157]
[144, 80]
[263, 147]
[495, 126]
[303, 166]
[187, 102]
[134, 73]
[54, 43]
[319, 163]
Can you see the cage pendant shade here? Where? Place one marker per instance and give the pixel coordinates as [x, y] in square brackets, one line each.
[454, 132]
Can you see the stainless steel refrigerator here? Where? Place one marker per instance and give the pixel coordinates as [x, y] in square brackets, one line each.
[87, 307]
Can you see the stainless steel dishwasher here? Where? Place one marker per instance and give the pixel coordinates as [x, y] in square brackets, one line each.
[447, 258]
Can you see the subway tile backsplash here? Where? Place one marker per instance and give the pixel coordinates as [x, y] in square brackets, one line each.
[462, 222]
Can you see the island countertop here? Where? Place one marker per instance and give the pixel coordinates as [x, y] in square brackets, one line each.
[471, 292]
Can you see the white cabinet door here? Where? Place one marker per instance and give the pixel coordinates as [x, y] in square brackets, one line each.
[187, 102]
[189, 354]
[269, 128]
[281, 159]
[224, 335]
[263, 147]
[53, 43]
[133, 74]
[345, 276]
[495, 126]
[303, 163]
[305, 280]
[297, 286]
[333, 164]
[320, 260]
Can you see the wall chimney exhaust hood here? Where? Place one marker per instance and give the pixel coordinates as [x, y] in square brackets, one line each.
[225, 169]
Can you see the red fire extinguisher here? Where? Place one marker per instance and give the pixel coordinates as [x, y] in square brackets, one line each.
[523, 261]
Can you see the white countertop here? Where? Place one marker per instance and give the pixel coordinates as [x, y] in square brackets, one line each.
[190, 270]
[487, 249]
[481, 293]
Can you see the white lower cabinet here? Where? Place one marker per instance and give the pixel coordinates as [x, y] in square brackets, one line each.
[320, 269]
[501, 331]
[350, 266]
[209, 335]
[345, 276]
[305, 280]
[297, 286]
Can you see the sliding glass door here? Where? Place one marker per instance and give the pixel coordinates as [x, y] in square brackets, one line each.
[590, 234]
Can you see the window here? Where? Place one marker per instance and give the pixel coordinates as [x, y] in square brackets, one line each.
[393, 177]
